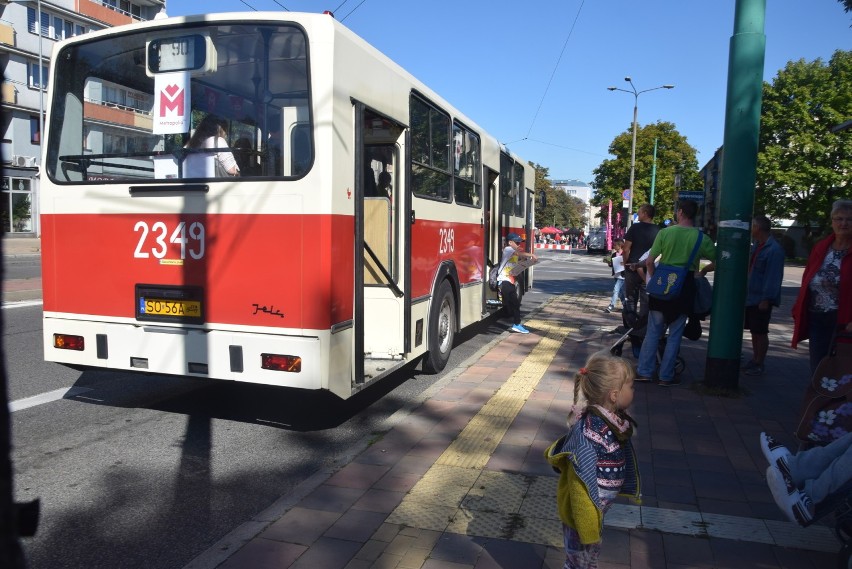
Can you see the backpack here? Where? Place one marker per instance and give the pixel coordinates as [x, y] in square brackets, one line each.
[493, 275]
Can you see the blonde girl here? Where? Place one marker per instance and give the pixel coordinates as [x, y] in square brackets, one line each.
[595, 459]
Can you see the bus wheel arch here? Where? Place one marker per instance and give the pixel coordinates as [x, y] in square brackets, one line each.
[443, 323]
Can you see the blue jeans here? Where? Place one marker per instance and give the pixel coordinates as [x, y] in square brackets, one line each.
[616, 292]
[648, 354]
[822, 471]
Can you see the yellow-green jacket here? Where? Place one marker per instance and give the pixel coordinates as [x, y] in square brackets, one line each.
[577, 497]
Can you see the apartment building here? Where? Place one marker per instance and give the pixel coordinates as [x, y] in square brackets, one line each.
[583, 191]
[29, 29]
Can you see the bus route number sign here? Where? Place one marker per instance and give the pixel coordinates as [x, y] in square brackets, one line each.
[194, 53]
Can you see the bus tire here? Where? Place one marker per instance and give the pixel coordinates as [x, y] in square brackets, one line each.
[442, 329]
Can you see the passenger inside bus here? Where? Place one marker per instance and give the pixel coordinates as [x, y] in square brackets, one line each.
[385, 186]
[246, 157]
[210, 133]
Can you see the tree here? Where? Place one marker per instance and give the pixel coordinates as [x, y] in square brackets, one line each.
[847, 4]
[559, 208]
[674, 156]
[802, 166]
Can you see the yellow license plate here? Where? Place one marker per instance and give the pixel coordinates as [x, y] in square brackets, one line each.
[165, 307]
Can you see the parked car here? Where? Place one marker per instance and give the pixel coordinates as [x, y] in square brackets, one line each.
[596, 242]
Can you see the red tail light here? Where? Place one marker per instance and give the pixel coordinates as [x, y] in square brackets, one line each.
[277, 362]
[68, 342]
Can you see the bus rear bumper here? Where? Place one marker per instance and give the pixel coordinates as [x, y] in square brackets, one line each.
[227, 355]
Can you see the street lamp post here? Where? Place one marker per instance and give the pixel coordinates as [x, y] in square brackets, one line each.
[635, 94]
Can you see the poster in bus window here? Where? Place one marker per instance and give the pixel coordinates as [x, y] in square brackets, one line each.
[172, 103]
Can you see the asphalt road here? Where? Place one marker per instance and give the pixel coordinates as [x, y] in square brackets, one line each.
[149, 471]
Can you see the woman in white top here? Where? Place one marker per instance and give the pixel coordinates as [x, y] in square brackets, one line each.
[210, 133]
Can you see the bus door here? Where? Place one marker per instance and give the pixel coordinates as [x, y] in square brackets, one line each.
[493, 246]
[381, 310]
[530, 232]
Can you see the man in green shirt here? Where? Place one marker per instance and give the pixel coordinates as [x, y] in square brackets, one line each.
[673, 246]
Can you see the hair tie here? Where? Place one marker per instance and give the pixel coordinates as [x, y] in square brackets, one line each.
[584, 371]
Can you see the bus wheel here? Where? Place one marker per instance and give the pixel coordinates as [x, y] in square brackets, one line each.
[442, 329]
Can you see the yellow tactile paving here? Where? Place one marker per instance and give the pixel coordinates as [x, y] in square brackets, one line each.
[489, 501]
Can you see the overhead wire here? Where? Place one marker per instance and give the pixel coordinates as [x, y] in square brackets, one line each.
[249, 5]
[547, 88]
[353, 9]
[286, 9]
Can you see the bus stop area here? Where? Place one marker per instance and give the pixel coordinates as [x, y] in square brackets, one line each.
[458, 479]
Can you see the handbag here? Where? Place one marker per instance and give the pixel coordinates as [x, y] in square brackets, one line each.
[826, 412]
[667, 280]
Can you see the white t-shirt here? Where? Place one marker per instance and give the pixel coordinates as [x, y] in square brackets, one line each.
[507, 261]
[203, 164]
[618, 266]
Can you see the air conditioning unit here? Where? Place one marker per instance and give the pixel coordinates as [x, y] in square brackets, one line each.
[23, 161]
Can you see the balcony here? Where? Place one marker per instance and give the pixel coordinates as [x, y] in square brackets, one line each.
[98, 11]
[8, 94]
[7, 33]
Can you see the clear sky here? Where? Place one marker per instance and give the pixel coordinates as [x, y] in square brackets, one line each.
[534, 73]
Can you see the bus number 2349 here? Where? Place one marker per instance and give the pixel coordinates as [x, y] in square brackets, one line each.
[155, 240]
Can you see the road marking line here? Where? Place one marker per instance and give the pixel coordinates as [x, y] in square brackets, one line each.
[42, 398]
[21, 304]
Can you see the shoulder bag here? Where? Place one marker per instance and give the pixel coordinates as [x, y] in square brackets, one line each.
[667, 280]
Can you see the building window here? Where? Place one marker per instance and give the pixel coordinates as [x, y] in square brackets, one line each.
[32, 16]
[35, 131]
[35, 80]
[60, 30]
[16, 212]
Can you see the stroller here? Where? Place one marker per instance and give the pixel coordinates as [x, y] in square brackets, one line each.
[618, 347]
[634, 318]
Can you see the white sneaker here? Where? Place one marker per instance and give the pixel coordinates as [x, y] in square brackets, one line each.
[772, 449]
[795, 504]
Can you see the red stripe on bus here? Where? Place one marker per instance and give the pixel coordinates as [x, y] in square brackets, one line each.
[433, 242]
[292, 271]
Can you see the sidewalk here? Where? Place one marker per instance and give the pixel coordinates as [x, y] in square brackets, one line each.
[22, 289]
[460, 482]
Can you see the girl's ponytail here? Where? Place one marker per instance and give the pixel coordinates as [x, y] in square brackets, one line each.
[580, 401]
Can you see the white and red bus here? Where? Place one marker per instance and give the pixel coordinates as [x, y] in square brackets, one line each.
[356, 238]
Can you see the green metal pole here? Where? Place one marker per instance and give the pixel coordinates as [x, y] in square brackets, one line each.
[654, 172]
[736, 200]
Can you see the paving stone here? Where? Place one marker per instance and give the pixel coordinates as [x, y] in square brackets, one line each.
[262, 553]
[331, 498]
[301, 525]
[327, 553]
[356, 525]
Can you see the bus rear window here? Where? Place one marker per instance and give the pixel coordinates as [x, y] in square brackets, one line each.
[126, 107]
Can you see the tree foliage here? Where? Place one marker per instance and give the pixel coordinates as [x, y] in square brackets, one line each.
[847, 4]
[559, 209]
[674, 156]
[802, 165]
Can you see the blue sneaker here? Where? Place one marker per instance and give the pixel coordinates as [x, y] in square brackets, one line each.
[520, 329]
